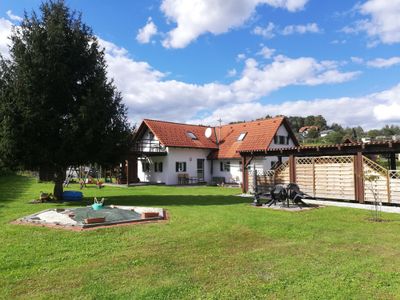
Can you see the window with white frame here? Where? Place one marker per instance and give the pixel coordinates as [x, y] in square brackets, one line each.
[225, 166]
[146, 166]
[191, 135]
[281, 140]
[158, 167]
[180, 166]
[242, 136]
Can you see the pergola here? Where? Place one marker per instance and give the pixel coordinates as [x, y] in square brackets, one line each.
[388, 148]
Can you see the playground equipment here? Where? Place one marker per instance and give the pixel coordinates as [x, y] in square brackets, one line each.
[84, 175]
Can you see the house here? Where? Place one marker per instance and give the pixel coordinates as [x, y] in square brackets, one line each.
[324, 133]
[304, 131]
[174, 153]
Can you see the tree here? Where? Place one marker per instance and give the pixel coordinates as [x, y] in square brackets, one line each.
[59, 108]
[335, 137]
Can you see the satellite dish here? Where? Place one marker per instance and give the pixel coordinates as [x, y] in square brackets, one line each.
[208, 132]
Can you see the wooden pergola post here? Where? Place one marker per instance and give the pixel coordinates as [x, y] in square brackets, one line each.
[244, 175]
[392, 160]
[127, 171]
[359, 178]
[292, 169]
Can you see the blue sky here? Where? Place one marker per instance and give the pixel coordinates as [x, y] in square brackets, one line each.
[201, 60]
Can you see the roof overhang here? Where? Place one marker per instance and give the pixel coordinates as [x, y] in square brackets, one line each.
[330, 150]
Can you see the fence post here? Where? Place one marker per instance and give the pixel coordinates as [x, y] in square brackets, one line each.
[292, 169]
[388, 177]
[313, 175]
[359, 177]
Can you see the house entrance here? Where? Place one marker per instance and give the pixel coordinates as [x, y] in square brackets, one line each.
[200, 169]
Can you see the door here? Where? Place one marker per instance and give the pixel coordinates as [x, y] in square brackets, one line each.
[200, 169]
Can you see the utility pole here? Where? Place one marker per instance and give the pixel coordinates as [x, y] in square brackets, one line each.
[219, 130]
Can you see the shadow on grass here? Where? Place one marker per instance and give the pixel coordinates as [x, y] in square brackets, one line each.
[12, 187]
[167, 200]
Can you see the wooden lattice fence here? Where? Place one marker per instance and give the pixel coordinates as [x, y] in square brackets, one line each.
[332, 177]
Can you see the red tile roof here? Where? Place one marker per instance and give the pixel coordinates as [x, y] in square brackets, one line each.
[175, 134]
[259, 135]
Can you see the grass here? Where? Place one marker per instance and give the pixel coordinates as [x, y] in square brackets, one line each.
[215, 246]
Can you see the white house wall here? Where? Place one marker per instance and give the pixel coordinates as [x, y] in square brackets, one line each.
[282, 131]
[169, 175]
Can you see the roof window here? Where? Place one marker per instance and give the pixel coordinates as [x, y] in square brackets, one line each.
[192, 135]
[242, 136]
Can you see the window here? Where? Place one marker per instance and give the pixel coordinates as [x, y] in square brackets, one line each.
[151, 136]
[158, 167]
[281, 140]
[225, 166]
[240, 165]
[180, 166]
[191, 135]
[242, 136]
[146, 166]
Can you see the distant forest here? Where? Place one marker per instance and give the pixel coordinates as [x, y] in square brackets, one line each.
[338, 133]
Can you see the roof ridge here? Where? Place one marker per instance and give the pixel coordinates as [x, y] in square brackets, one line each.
[254, 121]
[177, 123]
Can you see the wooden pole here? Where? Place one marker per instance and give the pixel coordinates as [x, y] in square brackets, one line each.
[292, 169]
[392, 160]
[359, 178]
[127, 172]
[244, 174]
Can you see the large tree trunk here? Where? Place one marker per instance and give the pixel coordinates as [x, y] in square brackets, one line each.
[59, 177]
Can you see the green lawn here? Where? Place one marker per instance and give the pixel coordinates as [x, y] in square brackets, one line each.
[215, 246]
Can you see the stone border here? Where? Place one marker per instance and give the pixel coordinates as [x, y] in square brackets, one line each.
[79, 228]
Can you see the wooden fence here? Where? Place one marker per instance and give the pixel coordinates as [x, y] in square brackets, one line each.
[332, 177]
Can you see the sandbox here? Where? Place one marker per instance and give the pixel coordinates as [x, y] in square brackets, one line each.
[80, 218]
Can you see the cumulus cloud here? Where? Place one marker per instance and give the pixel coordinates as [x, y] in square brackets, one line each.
[384, 62]
[382, 22]
[369, 111]
[146, 32]
[194, 18]
[266, 32]
[266, 52]
[149, 93]
[5, 31]
[272, 30]
[13, 17]
[301, 29]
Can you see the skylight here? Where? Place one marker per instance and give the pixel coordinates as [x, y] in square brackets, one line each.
[242, 136]
[191, 135]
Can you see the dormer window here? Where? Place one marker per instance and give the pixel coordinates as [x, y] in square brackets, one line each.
[192, 135]
[242, 136]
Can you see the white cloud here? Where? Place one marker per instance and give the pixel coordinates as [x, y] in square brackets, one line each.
[240, 56]
[357, 60]
[197, 17]
[5, 31]
[149, 93]
[232, 73]
[146, 32]
[384, 63]
[266, 32]
[370, 111]
[301, 29]
[13, 17]
[266, 52]
[382, 22]
[271, 30]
